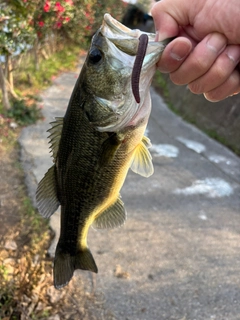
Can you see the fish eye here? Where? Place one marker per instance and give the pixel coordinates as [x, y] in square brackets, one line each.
[95, 55]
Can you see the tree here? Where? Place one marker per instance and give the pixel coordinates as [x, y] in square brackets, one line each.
[28, 24]
[16, 35]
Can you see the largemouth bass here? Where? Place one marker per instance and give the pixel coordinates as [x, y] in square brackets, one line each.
[100, 137]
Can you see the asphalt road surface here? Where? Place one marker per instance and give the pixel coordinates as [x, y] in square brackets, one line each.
[178, 255]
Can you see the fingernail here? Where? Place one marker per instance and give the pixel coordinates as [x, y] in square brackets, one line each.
[210, 99]
[160, 36]
[179, 52]
[233, 53]
[216, 42]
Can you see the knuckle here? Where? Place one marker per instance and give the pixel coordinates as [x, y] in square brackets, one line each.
[195, 87]
[201, 64]
[234, 79]
[220, 72]
[177, 78]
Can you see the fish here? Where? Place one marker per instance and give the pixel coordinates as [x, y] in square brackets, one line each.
[100, 138]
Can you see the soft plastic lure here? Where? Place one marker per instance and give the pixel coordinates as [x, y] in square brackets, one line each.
[142, 48]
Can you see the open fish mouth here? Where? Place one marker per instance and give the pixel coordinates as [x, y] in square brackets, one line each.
[136, 46]
[124, 38]
[137, 53]
[116, 27]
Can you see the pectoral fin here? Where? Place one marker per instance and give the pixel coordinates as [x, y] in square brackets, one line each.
[46, 195]
[109, 148]
[142, 160]
[113, 217]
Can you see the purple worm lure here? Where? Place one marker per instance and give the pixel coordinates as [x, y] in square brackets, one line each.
[142, 48]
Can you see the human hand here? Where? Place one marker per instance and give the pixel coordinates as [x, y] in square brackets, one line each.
[206, 53]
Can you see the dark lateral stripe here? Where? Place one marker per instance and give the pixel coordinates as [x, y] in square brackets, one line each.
[142, 48]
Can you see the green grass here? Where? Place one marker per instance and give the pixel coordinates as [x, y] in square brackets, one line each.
[160, 82]
[23, 114]
[42, 77]
[29, 81]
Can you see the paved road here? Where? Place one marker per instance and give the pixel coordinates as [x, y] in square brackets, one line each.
[178, 255]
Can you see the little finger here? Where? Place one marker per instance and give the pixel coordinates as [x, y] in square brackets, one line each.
[230, 87]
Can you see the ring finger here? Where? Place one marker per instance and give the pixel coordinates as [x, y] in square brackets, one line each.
[219, 72]
[200, 59]
[230, 87]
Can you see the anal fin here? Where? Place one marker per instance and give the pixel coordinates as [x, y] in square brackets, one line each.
[112, 217]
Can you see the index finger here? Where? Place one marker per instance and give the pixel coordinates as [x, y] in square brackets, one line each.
[167, 21]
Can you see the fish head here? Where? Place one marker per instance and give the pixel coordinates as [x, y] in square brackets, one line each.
[107, 75]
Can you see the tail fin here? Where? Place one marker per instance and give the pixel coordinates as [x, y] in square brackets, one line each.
[65, 264]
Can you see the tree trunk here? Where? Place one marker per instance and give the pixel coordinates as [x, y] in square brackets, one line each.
[9, 71]
[11, 91]
[5, 98]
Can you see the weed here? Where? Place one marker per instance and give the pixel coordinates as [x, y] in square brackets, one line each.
[30, 273]
[29, 77]
[3, 272]
[160, 82]
[214, 135]
[23, 114]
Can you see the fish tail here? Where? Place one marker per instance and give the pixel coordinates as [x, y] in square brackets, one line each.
[65, 264]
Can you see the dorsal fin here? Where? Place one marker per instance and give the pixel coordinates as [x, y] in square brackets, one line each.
[46, 195]
[142, 159]
[55, 135]
[113, 217]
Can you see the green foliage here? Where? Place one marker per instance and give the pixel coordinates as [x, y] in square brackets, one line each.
[28, 110]
[23, 114]
[159, 81]
[16, 34]
[215, 135]
[31, 24]
[28, 77]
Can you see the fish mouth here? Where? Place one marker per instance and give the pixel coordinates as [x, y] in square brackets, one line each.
[127, 41]
[116, 26]
[124, 38]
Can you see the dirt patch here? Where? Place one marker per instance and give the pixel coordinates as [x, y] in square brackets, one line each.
[26, 289]
[10, 199]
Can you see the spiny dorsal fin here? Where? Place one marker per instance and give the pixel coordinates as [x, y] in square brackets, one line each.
[142, 159]
[46, 195]
[55, 135]
[113, 217]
